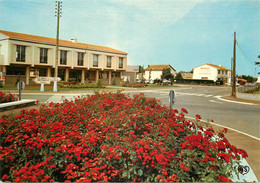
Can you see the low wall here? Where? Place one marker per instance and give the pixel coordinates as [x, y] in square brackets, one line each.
[249, 96]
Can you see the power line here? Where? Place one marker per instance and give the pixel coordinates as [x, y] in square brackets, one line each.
[244, 54]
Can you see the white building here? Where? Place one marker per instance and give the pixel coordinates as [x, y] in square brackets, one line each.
[212, 72]
[27, 56]
[155, 71]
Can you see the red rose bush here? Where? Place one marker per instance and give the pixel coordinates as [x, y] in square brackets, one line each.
[7, 97]
[112, 137]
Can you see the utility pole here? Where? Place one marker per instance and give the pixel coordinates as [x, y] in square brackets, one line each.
[58, 15]
[234, 94]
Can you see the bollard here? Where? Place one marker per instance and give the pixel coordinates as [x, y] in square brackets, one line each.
[172, 98]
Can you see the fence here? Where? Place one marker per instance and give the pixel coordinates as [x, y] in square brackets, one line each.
[248, 89]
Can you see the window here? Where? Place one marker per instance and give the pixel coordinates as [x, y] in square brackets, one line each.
[20, 53]
[222, 72]
[226, 72]
[109, 59]
[63, 57]
[218, 71]
[43, 55]
[121, 62]
[95, 60]
[80, 59]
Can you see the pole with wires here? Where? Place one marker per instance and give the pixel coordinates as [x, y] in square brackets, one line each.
[58, 12]
[234, 69]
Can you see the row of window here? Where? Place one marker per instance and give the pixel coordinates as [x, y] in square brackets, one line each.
[222, 72]
[20, 57]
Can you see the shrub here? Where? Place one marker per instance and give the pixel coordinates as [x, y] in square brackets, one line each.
[112, 137]
[80, 85]
[7, 97]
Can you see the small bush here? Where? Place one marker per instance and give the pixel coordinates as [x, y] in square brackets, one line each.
[80, 85]
[7, 97]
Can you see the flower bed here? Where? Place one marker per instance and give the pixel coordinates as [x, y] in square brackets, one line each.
[112, 137]
[7, 97]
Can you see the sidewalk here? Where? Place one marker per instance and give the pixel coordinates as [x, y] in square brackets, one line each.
[241, 100]
[250, 145]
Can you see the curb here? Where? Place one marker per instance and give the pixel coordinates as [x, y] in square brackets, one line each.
[17, 104]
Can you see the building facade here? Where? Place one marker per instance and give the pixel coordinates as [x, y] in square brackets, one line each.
[155, 71]
[212, 72]
[26, 56]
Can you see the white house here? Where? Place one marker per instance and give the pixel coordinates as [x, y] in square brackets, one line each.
[155, 71]
[212, 72]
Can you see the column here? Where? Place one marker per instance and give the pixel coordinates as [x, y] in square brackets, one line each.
[97, 75]
[83, 76]
[4, 70]
[48, 72]
[109, 77]
[27, 75]
[66, 78]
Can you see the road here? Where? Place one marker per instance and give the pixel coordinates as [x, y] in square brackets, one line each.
[202, 100]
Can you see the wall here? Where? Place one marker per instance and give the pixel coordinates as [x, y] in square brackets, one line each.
[154, 75]
[8, 55]
[205, 71]
[247, 96]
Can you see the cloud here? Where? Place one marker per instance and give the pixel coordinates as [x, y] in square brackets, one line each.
[164, 11]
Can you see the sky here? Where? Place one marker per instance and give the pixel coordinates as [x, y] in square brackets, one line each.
[183, 33]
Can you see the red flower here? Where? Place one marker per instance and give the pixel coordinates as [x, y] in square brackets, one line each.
[198, 116]
[225, 156]
[224, 179]
[184, 110]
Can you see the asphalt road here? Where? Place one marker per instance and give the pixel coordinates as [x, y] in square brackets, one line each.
[202, 100]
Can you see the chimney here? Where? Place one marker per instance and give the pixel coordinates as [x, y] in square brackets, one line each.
[74, 40]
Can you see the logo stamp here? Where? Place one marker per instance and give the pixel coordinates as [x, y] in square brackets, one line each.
[243, 169]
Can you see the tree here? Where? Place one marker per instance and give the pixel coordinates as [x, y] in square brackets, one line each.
[249, 78]
[166, 74]
[179, 76]
[141, 69]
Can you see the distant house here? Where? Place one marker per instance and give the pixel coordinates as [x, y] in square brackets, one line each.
[155, 71]
[212, 72]
[139, 76]
[186, 75]
[130, 73]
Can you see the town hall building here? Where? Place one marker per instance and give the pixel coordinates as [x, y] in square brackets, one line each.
[28, 56]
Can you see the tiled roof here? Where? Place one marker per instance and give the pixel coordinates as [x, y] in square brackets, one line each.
[156, 67]
[216, 66]
[46, 40]
[219, 67]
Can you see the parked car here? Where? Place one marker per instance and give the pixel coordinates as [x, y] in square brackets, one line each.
[149, 81]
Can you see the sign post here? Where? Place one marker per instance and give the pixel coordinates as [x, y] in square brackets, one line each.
[46, 80]
[20, 87]
[172, 99]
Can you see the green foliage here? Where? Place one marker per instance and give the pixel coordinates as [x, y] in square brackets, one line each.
[249, 78]
[178, 76]
[141, 69]
[75, 85]
[99, 84]
[114, 81]
[166, 74]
